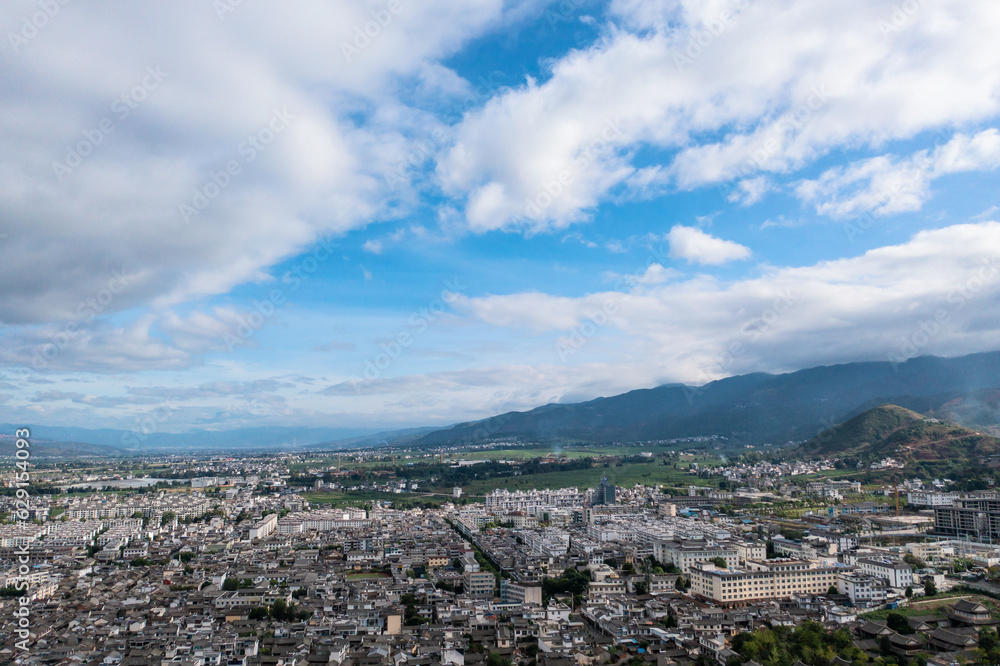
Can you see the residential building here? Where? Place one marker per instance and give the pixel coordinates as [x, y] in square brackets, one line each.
[762, 580]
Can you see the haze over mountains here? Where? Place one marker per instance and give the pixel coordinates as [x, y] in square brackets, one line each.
[753, 409]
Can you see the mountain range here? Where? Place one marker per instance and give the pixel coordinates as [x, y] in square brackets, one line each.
[760, 408]
[754, 409]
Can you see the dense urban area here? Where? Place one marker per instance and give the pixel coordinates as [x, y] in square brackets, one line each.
[485, 554]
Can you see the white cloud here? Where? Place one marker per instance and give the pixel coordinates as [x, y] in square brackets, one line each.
[782, 221]
[696, 246]
[654, 274]
[769, 93]
[750, 190]
[373, 246]
[886, 185]
[326, 172]
[987, 214]
[866, 307]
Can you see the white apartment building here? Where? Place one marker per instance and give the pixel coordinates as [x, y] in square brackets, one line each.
[479, 584]
[751, 551]
[863, 590]
[762, 580]
[685, 554]
[897, 574]
[550, 542]
[530, 501]
[521, 593]
[323, 520]
[930, 498]
[265, 528]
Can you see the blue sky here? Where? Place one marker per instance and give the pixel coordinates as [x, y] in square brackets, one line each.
[266, 216]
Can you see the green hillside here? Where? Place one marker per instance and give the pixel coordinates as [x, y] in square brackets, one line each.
[892, 431]
[862, 431]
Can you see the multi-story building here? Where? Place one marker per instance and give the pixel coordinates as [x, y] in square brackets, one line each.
[479, 584]
[604, 493]
[751, 550]
[550, 541]
[265, 528]
[895, 573]
[520, 593]
[685, 554]
[827, 487]
[531, 501]
[608, 586]
[930, 498]
[978, 517]
[762, 580]
[864, 590]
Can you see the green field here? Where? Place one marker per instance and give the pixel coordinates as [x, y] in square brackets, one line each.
[629, 474]
[937, 605]
[362, 497]
[366, 576]
[517, 453]
[557, 450]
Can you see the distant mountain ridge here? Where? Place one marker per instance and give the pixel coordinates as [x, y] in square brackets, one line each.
[61, 440]
[753, 409]
[757, 408]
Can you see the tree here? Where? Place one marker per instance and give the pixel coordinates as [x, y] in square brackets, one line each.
[230, 585]
[885, 646]
[719, 562]
[909, 592]
[494, 659]
[897, 622]
[989, 645]
[809, 643]
[832, 590]
[930, 589]
[283, 611]
[168, 517]
[570, 582]
[641, 588]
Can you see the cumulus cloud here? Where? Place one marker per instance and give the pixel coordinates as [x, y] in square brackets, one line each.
[235, 147]
[870, 306]
[768, 93]
[750, 190]
[695, 246]
[886, 185]
[95, 347]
